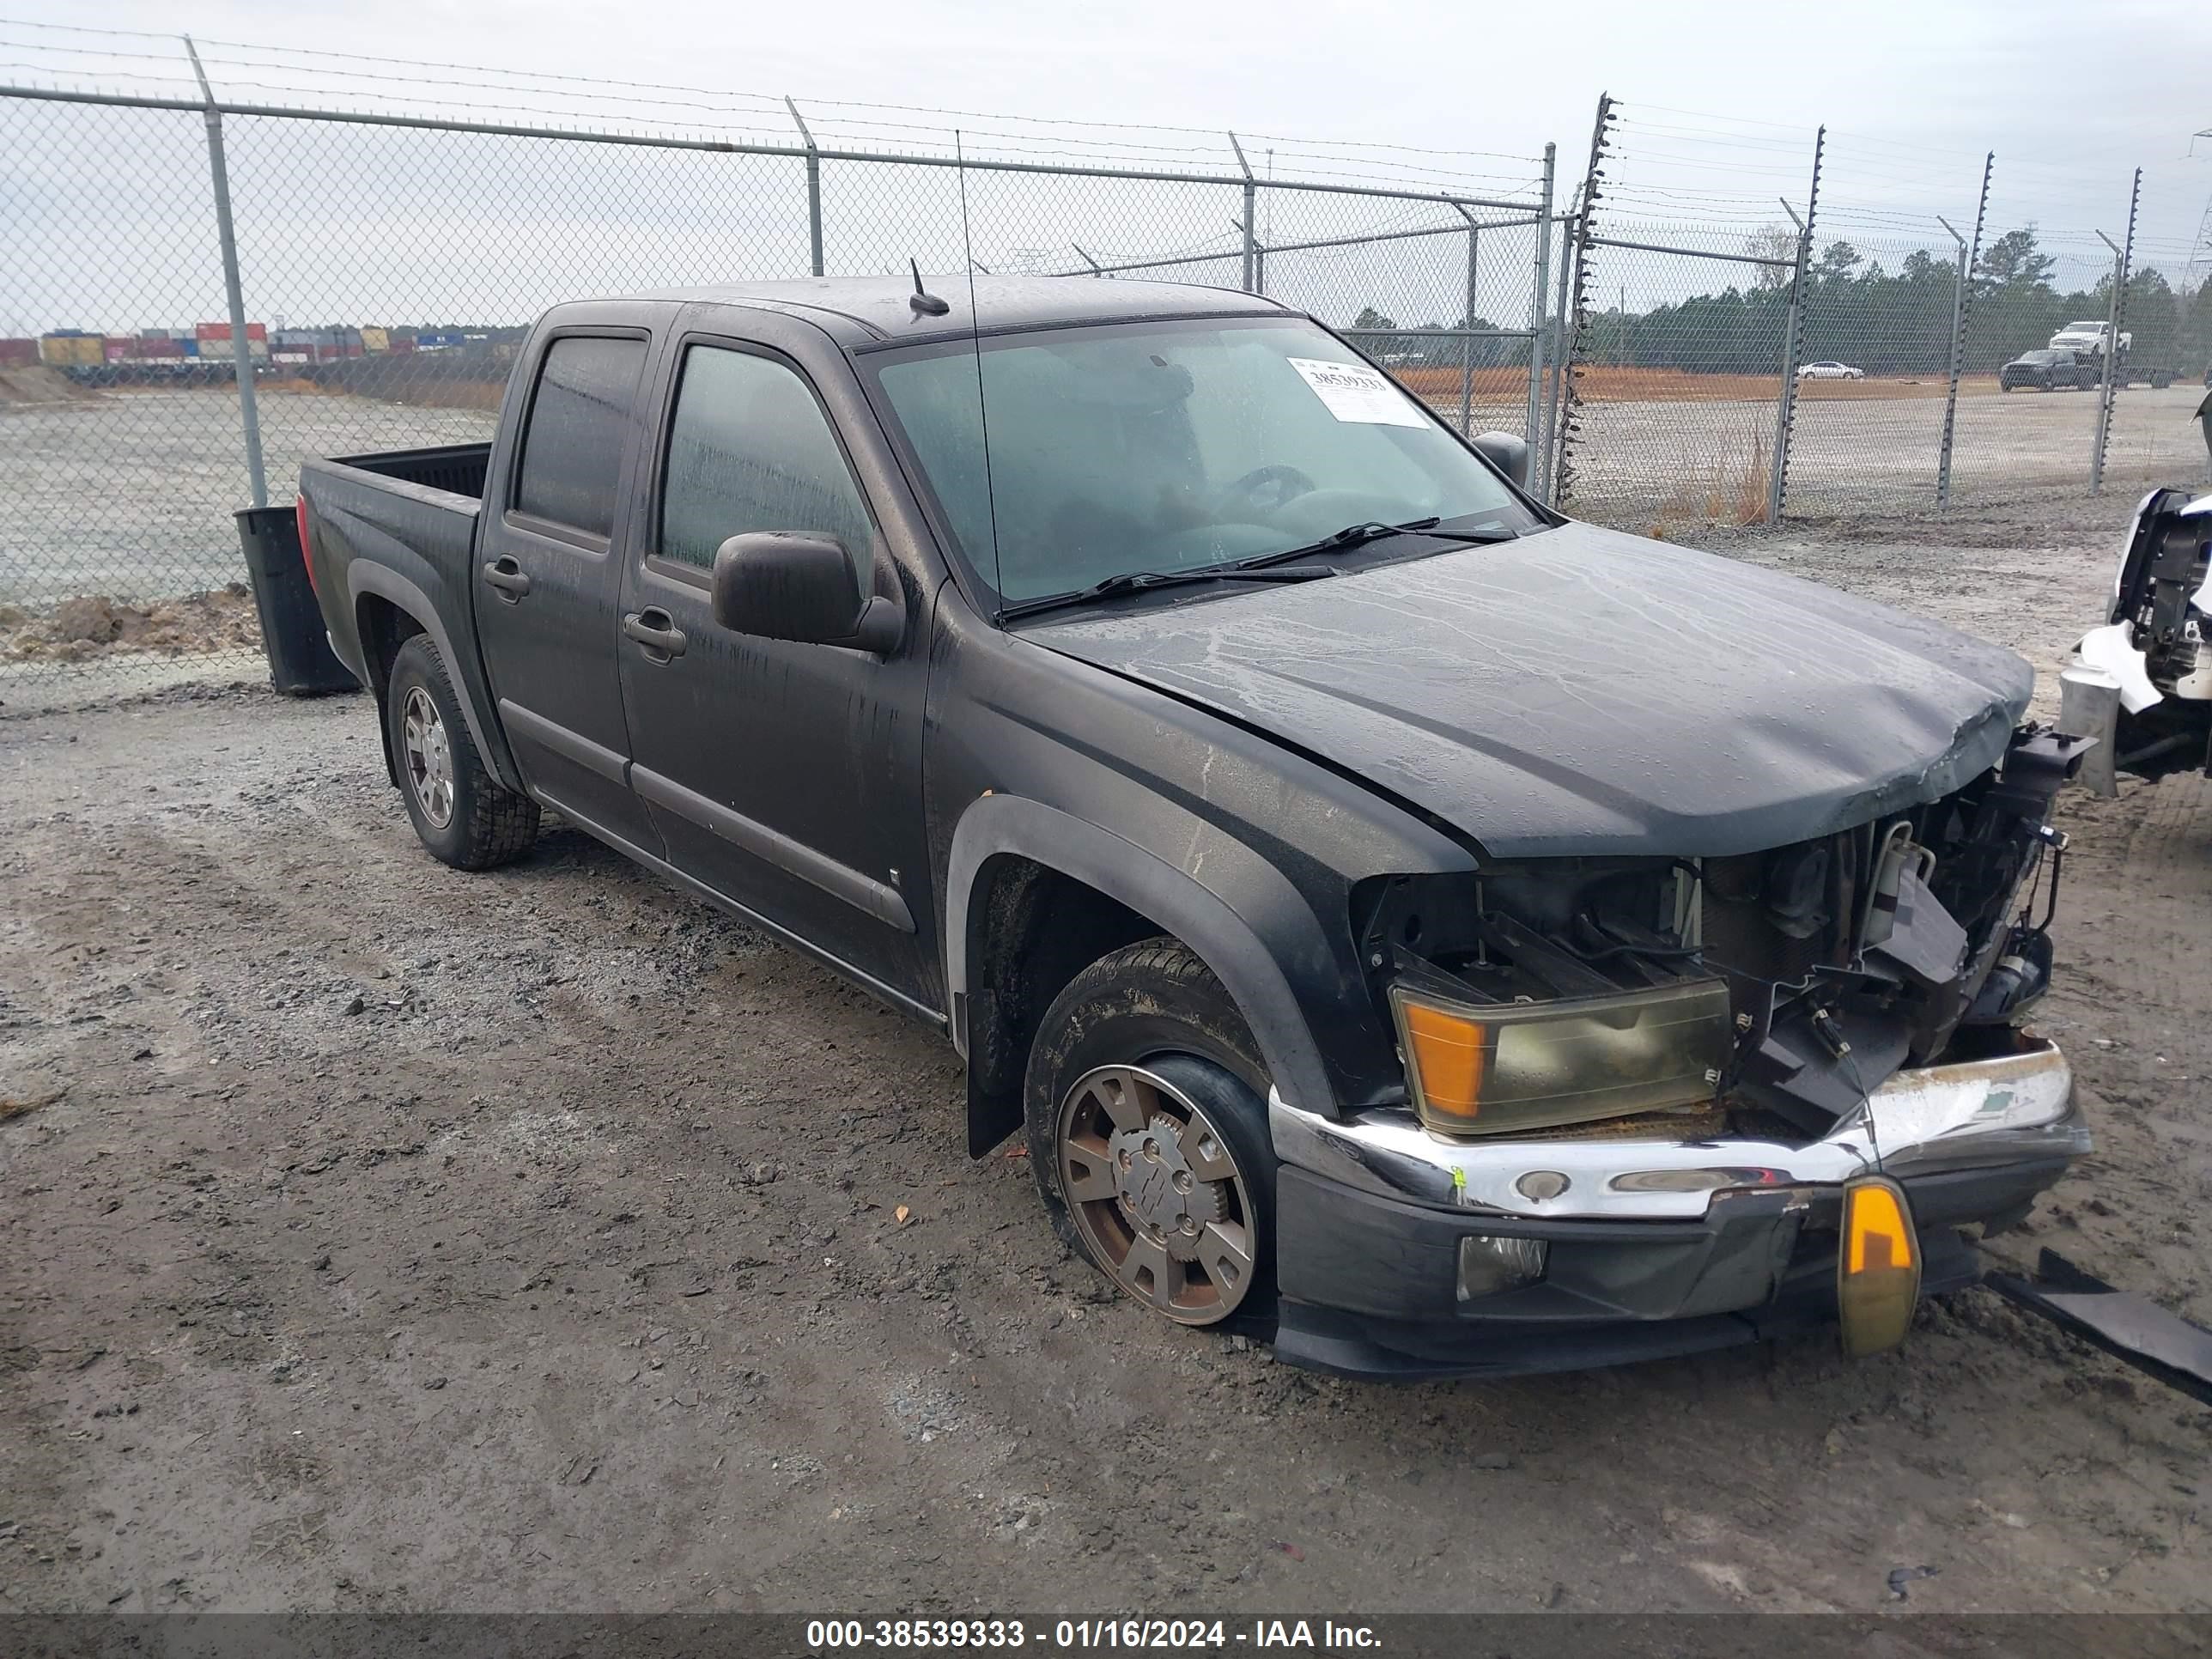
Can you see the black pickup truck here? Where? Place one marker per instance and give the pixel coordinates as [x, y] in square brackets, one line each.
[1408, 924]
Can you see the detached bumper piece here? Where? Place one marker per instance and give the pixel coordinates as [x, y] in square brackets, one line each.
[2153, 1340]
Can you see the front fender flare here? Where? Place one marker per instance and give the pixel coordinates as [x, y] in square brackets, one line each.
[1225, 940]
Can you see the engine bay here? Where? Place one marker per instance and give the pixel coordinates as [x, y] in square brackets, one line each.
[1910, 938]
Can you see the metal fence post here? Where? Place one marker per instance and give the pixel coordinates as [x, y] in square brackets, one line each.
[1251, 221]
[1570, 343]
[241, 349]
[1555, 401]
[1467, 321]
[1969, 257]
[1959, 281]
[1785, 402]
[1537, 306]
[1785, 414]
[2122, 258]
[813, 187]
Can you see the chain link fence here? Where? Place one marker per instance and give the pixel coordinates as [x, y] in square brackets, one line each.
[388, 266]
[1700, 324]
[1775, 323]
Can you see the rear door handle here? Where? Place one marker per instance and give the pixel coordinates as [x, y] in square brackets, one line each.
[504, 574]
[656, 630]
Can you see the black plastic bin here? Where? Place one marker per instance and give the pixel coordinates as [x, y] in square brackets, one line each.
[301, 661]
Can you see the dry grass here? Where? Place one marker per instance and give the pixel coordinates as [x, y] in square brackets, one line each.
[1723, 488]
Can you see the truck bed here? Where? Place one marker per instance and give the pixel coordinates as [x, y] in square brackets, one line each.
[454, 469]
[399, 528]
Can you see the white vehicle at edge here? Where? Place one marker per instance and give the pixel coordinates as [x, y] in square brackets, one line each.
[2089, 337]
[2144, 679]
[1830, 371]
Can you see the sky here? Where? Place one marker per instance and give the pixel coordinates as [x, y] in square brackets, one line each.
[1718, 100]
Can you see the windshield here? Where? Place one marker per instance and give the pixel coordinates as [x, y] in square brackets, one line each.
[1165, 447]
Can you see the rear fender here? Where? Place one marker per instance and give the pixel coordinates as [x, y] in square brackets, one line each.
[364, 577]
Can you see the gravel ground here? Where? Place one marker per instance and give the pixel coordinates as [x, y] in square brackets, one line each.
[391, 1238]
[130, 493]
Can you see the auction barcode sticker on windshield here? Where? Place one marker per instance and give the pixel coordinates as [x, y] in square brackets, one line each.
[1353, 391]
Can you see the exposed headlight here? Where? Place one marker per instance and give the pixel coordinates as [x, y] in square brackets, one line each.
[1494, 1068]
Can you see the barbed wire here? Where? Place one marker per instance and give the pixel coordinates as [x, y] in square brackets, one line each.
[434, 87]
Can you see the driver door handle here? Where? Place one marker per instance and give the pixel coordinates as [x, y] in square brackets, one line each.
[656, 630]
[504, 574]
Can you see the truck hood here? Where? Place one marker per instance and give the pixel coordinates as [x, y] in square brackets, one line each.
[1580, 691]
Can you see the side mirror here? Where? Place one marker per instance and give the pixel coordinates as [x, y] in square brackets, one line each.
[1506, 453]
[790, 585]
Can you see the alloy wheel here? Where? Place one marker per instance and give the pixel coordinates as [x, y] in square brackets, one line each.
[429, 757]
[1155, 1195]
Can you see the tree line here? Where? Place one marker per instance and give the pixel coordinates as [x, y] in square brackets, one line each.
[1859, 312]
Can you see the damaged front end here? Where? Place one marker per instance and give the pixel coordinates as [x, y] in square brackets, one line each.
[1656, 1105]
[1771, 992]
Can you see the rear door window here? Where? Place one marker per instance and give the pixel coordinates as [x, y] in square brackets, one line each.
[579, 417]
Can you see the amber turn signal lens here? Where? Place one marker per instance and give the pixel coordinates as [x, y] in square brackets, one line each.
[1507, 1067]
[1877, 1267]
[1449, 1055]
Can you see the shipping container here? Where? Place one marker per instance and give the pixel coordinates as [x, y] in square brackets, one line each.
[119, 349]
[18, 354]
[403, 339]
[318, 345]
[220, 332]
[376, 339]
[214, 340]
[72, 348]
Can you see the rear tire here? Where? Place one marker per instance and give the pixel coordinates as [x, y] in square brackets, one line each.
[460, 811]
[1147, 1119]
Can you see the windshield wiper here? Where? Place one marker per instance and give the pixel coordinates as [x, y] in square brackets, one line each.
[1359, 535]
[1140, 581]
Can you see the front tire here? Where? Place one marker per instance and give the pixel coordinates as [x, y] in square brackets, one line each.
[460, 811]
[1148, 1120]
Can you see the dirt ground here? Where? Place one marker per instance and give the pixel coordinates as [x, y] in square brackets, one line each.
[383, 1237]
[93, 625]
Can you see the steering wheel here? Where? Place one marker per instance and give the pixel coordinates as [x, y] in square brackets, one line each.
[1265, 490]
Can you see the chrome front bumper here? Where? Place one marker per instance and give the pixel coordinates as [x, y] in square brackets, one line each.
[1984, 1114]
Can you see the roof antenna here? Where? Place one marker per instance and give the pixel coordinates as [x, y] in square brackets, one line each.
[924, 303]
